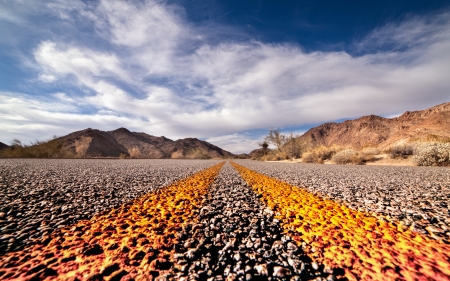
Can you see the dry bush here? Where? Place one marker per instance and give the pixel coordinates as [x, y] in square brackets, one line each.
[348, 156]
[400, 151]
[38, 149]
[312, 157]
[198, 153]
[134, 152]
[82, 145]
[432, 154]
[261, 153]
[178, 154]
[370, 151]
[272, 155]
[292, 147]
[320, 154]
[122, 156]
[326, 153]
[436, 138]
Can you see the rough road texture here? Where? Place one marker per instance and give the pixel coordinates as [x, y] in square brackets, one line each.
[201, 229]
[237, 238]
[38, 196]
[419, 197]
[132, 242]
[339, 237]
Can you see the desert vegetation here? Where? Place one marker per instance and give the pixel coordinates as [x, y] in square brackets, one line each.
[82, 145]
[53, 148]
[400, 151]
[197, 153]
[134, 152]
[320, 154]
[290, 147]
[287, 146]
[432, 154]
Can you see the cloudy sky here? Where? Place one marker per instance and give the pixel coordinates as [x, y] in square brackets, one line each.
[223, 71]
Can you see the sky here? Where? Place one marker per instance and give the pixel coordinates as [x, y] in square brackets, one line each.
[222, 71]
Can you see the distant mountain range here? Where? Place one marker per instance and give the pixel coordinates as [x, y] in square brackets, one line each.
[3, 146]
[96, 143]
[431, 124]
[122, 142]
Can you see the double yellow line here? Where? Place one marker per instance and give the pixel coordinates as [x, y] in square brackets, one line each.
[136, 239]
[339, 237]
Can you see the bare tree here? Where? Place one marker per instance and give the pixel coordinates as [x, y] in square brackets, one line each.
[276, 138]
[264, 145]
[16, 143]
[293, 147]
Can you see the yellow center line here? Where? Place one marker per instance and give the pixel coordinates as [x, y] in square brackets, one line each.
[339, 237]
[134, 240]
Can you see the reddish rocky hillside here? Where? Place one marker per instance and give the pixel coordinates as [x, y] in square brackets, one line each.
[96, 143]
[429, 124]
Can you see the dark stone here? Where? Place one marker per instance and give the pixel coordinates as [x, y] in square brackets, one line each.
[93, 250]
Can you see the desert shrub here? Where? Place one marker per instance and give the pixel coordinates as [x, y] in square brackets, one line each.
[261, 153]
[400, 151]
[312, 157]
[326, 153]
[435, 138]
[82, 145]
[122, 156]
[134, 152]
[348, 156]
[198, 153]
[432, 154]
[370, 151]
[39, 149]
[293, 147]
[320, 154]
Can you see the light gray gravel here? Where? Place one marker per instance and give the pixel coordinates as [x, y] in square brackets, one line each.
[38, 196]
[417, 196]
[237, 238]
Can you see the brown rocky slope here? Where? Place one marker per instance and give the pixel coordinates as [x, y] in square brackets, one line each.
[96, 143]
[424, 125]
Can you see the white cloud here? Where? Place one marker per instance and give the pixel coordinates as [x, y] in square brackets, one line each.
[63, 97]
[155, 71]
[138, 24]
[417, 31]
[236, 143]
[47, 78]
[86, 65]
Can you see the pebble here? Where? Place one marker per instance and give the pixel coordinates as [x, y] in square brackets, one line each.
[239, 239]
[40, 196]
[417, 197]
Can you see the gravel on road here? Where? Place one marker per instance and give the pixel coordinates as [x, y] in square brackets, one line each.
[419, 197]
[111, 219]
[40, 195]
[131, 242]
[237, 238]
[339, 237]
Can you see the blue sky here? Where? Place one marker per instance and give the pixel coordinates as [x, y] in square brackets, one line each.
[223, 71]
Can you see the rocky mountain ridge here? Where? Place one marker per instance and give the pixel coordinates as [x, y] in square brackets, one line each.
[423, 125]
[97, 143]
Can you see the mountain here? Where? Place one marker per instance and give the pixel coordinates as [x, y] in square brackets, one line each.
[423, 125]
[3, 146]
[96, 143]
